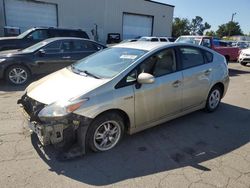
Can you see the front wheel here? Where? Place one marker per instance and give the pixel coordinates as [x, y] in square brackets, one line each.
[213, 99]
[243, 63]
[17, 75]
[105, 132]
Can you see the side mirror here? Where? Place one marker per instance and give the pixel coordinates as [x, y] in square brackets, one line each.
[145, 78]
[41, 53]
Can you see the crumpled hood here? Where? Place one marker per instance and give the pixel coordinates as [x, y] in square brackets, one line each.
[62, 85]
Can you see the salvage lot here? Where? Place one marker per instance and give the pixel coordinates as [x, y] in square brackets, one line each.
[198, 150]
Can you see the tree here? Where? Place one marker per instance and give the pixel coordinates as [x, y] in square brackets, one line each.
[229, 29]
[197, 27]
[180, 27]
[210, 33]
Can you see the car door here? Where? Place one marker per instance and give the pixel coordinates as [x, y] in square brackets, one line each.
[196, 76]
[162, 98]
[50, 58]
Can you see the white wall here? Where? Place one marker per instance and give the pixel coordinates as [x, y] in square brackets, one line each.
[108, 15]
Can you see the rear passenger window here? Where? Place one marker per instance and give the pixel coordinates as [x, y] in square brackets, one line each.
[208, 56]
[67, 46]
[191, 57]
[163, 40]
[85, 46]
[154, 40]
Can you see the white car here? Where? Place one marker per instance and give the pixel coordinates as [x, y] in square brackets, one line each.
[154, 39]
[124, 89]
[244, 57]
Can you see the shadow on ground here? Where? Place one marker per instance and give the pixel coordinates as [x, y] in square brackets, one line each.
[237, 72]
[186, 141]
[6, 87]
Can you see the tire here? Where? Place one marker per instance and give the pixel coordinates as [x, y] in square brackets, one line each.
[243, 63]
[213, 99]
[17, 75]
[105, 132]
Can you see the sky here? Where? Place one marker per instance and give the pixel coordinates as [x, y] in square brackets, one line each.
[215, 12]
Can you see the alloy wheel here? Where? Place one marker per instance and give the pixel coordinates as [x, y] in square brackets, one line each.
[107, 135]
[214, 99]
[18, 75]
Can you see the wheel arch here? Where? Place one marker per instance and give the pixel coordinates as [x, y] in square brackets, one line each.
[220, 85]
[120, 112]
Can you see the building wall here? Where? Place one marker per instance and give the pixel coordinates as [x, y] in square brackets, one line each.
[163, 15]
[107, 15]
[2, 21]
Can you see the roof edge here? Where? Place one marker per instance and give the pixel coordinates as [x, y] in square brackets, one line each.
[156, 2]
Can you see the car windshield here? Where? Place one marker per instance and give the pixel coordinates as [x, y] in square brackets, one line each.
[22, 35]
[107, 63]
[190, 40]
[35, 47]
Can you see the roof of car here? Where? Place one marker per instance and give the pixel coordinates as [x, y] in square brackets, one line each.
[55, 28]
[142, 45]
[66, 38]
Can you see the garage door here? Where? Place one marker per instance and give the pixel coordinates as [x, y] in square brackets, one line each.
[136, 25]
[27, 14]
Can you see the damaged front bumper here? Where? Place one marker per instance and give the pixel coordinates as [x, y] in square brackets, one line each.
[55, 131]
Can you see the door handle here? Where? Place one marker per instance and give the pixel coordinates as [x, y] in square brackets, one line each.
[177, 83]
[66, 57]
[207, 72]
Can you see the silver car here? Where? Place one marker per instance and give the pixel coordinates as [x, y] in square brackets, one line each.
[124, 89]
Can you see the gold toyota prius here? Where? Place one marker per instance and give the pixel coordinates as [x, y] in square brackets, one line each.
[123, 89]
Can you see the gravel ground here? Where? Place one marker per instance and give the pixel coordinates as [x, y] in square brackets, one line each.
[197, 150]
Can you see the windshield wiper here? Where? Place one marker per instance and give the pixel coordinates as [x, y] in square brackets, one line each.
[90, 74]
[78, 71]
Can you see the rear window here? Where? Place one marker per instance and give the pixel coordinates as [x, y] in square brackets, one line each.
[208, 56]
[191, 57]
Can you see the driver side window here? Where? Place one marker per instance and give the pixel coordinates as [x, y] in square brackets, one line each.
[159, 64]
[38, 35]
[53, 47]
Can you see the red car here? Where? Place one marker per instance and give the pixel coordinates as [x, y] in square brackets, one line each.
[230, 53]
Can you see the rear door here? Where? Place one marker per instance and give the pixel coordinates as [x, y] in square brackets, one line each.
[196, 76]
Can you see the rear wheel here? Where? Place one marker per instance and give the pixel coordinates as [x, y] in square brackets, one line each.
[105, 132]
[213, 99]
[17, 75]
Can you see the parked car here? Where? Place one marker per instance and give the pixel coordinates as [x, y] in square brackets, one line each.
[230, 53]
[17, 66]
[154, 39]
[37, 34]
[126, 88]
[242, 44]
[244, 57]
